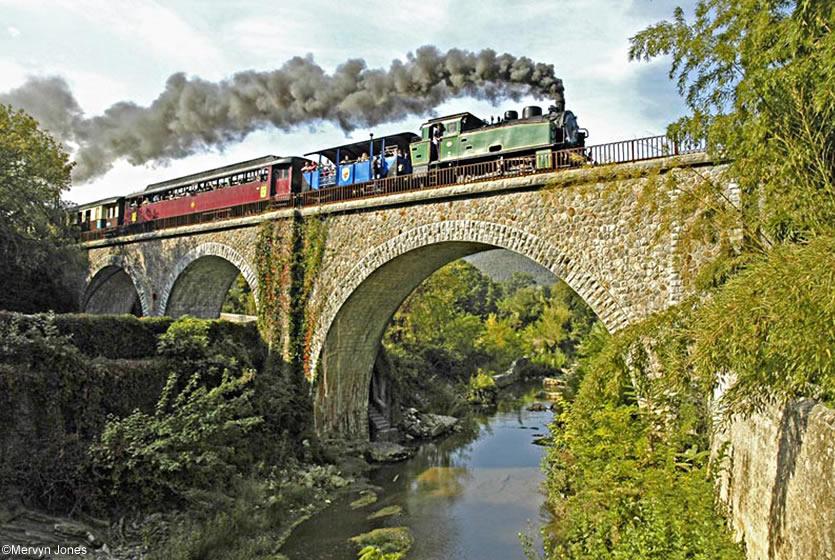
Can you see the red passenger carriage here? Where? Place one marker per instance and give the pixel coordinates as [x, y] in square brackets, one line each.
[266, 181]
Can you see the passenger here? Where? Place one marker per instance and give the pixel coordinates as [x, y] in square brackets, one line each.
[363, 157]
[376, 167]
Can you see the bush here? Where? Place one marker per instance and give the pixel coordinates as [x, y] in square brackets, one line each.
[630, 481]
[110, 336]
[53, 402]
[195, 437]
[482, 389]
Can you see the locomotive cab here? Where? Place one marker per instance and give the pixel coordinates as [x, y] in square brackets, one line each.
[464, 138]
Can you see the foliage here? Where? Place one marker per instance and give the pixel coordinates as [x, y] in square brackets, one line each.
[501, 341]
[34, 172]
[443, 312]
[482, 388]
[458, 320]
[630, 481]
[388, 540]
[54, 401]
[544, 323]
[194, 437]
[759, 78]
[773, 327]
[374, 553]
[110, 336]
[239, 299]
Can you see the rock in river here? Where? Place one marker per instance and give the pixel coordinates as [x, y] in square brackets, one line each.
[387, 452]
[422, 425]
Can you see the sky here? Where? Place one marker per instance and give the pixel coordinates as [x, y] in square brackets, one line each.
[110, 51]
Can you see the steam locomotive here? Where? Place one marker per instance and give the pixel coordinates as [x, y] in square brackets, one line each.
[453, 141]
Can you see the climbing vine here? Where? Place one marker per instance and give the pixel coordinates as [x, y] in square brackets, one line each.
[289, 255]
[313, 251]
[274, 254]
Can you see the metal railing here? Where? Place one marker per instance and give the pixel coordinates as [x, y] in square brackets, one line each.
[625, 151]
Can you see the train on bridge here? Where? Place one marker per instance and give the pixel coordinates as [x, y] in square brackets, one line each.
[449, 150]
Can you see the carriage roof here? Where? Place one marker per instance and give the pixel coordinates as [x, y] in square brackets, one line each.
[356, 149]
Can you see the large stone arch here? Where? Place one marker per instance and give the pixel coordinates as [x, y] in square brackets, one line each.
[199, 281]
[114, 287]
[351, 323]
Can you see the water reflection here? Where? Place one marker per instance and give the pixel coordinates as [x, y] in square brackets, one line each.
[440, 482]
[466, 497]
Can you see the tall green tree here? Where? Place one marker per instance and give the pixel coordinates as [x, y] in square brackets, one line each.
[759, 78]
[34, 172]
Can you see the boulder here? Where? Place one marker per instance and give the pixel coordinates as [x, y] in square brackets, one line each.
[387, 452]
[422, 425]
[537, 407]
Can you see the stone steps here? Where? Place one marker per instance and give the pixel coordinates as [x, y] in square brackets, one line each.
[378, 421]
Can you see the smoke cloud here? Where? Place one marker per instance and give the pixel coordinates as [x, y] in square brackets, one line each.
[193, 115]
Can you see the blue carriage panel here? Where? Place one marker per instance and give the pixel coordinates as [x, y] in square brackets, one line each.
[346, 174]
[362, 171]
[312, 178]
[327, 178]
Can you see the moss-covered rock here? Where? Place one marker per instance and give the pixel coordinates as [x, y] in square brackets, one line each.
[387, 511]
[387, 539]
[367, 497]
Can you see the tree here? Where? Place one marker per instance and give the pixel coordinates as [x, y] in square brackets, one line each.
[34, 171]
[759, 78]
[445, 311]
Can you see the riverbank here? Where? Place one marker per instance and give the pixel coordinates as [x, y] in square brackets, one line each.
[464, 496]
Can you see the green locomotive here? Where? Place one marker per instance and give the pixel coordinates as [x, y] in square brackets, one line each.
[464, 138]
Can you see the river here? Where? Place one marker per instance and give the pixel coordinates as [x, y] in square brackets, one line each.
[465, 497]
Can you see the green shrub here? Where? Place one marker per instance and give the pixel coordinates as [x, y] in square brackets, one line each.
[374, 553]
[482, 388]
[193, 440]
[629, 481]
[54, 401]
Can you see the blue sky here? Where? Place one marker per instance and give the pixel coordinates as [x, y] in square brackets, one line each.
[110, 51]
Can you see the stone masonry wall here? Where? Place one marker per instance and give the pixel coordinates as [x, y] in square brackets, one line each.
[777, 480]
[588, 228]
[155, 264]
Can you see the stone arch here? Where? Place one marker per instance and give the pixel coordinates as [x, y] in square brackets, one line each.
[351, 323]
[200, 279]
[114, 287]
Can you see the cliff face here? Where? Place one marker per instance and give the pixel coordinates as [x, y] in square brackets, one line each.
[777, 479]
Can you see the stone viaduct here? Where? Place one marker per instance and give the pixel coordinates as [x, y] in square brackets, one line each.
[591, 227]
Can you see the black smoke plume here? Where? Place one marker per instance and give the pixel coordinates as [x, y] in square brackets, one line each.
[193, 115]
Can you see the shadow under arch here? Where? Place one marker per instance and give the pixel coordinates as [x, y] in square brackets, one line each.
[200, 280]
[348, 335]
[114, 289]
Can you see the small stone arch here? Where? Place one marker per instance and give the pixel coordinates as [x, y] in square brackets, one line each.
[199, 281]
[114, 287]
[350, 325]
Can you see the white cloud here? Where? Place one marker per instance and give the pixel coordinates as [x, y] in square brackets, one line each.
[12, 74]
[13, 31]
